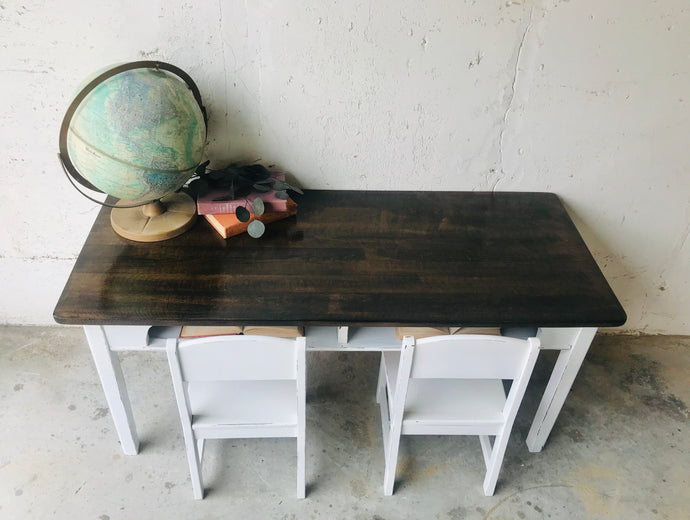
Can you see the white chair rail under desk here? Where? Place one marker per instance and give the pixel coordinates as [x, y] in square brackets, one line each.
[238, 387]
[453, 385]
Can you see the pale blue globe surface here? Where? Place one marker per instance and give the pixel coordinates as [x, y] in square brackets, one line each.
[138, 135]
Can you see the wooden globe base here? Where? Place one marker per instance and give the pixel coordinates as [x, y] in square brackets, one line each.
[160, 220]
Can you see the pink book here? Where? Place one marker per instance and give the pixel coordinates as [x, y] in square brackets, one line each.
[206, 205]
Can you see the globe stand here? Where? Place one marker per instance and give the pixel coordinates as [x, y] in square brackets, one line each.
[166, 218]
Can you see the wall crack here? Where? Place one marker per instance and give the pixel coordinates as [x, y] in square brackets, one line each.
[511, 100]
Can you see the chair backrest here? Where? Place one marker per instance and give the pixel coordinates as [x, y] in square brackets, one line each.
[238, 358]
[471, 357]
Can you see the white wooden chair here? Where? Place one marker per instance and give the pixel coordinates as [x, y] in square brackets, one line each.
[452, 385]
[239, 387]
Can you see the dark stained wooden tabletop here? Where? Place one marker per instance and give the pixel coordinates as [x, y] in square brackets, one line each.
[354, 258]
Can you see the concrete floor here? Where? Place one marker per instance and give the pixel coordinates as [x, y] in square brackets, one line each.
[620, 448]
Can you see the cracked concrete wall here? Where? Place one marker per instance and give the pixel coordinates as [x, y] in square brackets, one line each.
[583, 98]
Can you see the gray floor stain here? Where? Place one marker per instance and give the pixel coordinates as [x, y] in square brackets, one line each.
[99, 413]
[642, 380]
[457, 513]
[638, 377]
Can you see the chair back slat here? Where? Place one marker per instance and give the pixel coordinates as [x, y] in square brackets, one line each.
[239, 358]
[469, 357]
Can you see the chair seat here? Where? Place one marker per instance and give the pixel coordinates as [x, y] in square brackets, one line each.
[223, 404]
[461, 406]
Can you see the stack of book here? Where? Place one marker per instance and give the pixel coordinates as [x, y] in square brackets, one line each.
[428, 332]
[221, 213]
[201, 331]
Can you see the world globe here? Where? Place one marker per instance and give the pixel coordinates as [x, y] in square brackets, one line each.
[137, 132]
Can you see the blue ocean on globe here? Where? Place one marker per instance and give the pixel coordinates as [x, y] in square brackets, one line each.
[138, 135]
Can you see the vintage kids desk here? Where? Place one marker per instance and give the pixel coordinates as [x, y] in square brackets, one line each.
[361, 259]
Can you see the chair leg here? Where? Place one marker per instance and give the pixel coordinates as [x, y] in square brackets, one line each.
[301, 417]
[381, 385]
[391, 443]
[494, 463]
[391, 422]
[486, 449]
[194, 459]
[391, 462]
[301, 467]
[200, 445]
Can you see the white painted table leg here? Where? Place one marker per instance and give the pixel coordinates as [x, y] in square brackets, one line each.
[562, 378]
[113, 382]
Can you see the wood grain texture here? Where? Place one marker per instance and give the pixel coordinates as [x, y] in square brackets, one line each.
[354, 258]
